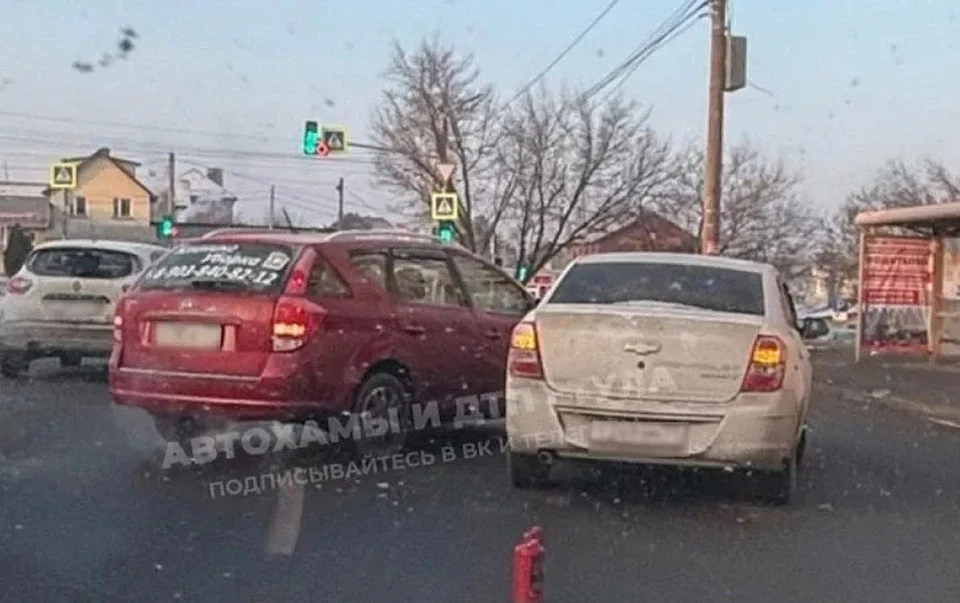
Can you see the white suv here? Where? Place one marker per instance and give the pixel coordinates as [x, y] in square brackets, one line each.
[61, 302]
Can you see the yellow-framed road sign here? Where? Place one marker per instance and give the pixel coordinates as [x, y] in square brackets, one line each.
[336, 139]
[444, 206]
[63, 176]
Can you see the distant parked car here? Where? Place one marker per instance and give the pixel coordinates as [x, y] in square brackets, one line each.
[62, 300]
[819, 331]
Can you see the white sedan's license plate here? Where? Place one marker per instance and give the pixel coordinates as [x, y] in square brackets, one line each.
[188, 335]
[636, 434]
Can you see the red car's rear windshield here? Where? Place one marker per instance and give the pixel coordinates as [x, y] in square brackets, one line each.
[242, 267]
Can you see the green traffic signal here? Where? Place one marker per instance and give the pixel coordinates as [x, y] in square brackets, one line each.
[311, 138]
[521, 272]
[165, 227]
[446, 232]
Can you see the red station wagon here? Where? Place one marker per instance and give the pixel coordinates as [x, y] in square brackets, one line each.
[271, 325]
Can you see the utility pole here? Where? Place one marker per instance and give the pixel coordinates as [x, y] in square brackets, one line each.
[340, 206]
[710, 231]
[171, 186]
[66, 215]
[272, 200]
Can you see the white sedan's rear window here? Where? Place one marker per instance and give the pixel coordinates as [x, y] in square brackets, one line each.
[707, 287]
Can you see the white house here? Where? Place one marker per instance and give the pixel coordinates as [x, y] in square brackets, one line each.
[200, 196]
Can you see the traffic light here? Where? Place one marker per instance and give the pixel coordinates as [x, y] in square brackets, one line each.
[165, 228]
[446, 231]
[521, 272]
[311, 138]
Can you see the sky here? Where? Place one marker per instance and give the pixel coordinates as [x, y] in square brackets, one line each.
[838, 87]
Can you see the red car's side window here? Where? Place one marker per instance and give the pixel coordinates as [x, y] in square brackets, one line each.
[325, 282]
[372, 265]
[426, 280]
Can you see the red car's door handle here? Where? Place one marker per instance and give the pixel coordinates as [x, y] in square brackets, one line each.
[414, 329]
[493, 334]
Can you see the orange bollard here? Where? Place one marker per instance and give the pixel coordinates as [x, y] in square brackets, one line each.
[528, 567]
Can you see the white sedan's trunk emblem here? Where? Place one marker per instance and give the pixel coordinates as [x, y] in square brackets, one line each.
[643, 348]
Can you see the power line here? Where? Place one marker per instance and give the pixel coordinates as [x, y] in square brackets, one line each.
[760, 88]
[187, 131]
[680, 16]
[660, 44]
[563, 53]
[644, 50]
[56, 140]
[114, 124]
[299, 201]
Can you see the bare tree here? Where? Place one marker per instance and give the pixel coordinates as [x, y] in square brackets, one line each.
[435, 110]
[762, 217]
[578, 169]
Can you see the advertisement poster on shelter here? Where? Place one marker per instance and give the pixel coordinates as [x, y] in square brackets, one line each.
[896, 292]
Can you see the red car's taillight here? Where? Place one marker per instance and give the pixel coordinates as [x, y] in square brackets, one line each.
[294, 322]
[768, 365]
[524, 357]
[18, 285]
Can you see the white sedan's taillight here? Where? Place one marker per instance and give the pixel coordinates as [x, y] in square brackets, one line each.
[768, 365]
[524, 357]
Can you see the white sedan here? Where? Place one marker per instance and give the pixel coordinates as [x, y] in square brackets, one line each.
[669, 359]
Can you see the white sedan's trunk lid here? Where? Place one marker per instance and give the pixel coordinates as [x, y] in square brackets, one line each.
[653, 352]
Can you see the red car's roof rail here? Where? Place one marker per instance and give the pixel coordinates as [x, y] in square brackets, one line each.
[359, 234]
[222, 231]
[382, 233]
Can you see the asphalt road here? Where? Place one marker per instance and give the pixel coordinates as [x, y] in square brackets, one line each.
[88, 513]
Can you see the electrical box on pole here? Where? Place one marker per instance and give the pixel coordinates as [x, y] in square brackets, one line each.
[736, 76]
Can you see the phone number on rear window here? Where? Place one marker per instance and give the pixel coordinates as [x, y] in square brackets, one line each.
[243, 274]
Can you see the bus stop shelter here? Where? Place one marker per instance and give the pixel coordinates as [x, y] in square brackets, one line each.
[929, 227]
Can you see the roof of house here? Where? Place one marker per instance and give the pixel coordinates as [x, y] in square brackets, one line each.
[647, 224]
[26, 210]
[101, 152]
[19, 188]
[104, 153]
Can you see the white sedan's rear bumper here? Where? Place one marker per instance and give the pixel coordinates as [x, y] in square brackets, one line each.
[755, 430]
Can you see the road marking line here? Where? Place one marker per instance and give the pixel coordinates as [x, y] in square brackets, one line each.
[944, 422]
[284, 530]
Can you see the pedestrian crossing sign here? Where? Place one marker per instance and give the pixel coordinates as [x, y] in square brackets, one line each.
[336, 139]
[444, 206]
[63, 176]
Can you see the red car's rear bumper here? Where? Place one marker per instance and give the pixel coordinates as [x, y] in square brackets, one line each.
[282, 390]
